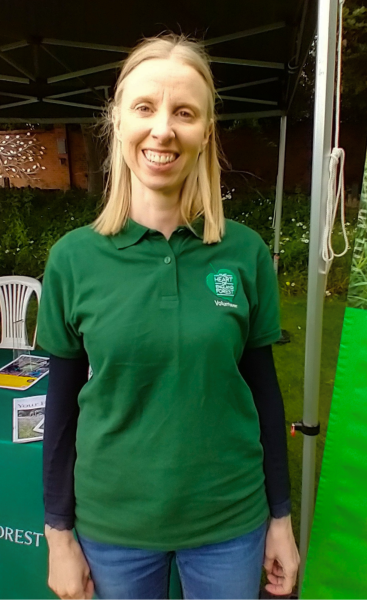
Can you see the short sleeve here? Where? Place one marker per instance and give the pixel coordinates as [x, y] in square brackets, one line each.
[264, 306]
[57, 331]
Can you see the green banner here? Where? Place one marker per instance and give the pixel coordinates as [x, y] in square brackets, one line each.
[336, 565]
[337, 560]
[23, 550]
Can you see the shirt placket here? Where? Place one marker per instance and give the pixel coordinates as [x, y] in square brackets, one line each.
[167, 271]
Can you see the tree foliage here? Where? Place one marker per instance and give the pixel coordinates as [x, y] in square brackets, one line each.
[354, 92]
[354, 68]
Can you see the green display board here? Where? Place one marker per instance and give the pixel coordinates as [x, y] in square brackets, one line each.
[23, 551]
[336, 565]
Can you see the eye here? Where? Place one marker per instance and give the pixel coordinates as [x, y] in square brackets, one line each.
[142, 108]
[185, 114]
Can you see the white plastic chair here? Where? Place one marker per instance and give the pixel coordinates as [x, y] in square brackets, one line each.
[15, 293]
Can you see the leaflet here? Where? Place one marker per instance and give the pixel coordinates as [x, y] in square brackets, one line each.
[28, 418]
[23, 372]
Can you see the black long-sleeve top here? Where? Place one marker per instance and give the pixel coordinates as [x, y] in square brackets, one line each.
[67, 377]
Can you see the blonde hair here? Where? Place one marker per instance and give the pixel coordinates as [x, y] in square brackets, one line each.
[201, 192]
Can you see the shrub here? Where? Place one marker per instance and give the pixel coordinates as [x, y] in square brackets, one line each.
[32, 220]
[256, 211]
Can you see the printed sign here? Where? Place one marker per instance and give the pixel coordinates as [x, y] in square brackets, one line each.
[28, 419]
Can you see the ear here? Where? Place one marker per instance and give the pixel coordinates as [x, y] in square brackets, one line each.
[116, 122]
[208, 132]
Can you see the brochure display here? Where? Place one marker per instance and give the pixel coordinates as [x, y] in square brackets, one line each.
[23, 372]
[337, 559]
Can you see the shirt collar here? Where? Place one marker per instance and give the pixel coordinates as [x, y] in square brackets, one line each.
[132, 232]
[129, 235]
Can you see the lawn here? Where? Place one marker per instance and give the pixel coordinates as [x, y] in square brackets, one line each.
[289, 360]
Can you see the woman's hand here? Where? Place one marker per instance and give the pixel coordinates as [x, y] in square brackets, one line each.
[69, 573]
[281, 557]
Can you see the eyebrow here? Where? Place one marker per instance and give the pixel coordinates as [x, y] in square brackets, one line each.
[141, 99]
[194, 107]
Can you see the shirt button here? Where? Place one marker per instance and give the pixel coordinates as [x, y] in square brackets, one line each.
[167, 260]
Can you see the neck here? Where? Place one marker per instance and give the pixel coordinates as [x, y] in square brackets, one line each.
[154, 209]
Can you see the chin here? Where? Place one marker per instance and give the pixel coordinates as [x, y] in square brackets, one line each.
[160, 184]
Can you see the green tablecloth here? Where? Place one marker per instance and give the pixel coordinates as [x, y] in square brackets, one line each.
[23, 550]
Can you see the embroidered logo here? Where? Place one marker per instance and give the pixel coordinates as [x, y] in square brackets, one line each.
[223, 283]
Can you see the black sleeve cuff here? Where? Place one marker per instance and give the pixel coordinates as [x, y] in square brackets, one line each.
[59, 522]
[277, 511]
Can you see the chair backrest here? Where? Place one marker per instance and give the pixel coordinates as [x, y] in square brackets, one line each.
[15, 293]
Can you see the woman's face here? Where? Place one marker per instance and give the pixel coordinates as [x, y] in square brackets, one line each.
[162, 122]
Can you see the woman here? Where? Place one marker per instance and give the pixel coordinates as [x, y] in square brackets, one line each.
[175, 310]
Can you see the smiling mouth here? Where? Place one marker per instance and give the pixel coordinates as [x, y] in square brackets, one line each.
[160, 158]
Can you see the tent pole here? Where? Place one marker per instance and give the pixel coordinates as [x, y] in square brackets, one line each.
[323, 115]
[279, 190]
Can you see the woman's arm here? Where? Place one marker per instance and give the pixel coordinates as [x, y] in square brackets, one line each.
[66, 379]
[69, 575]
[258, 370]
[281, 554]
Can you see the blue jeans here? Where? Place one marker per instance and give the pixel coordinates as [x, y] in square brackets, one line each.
[226, 570]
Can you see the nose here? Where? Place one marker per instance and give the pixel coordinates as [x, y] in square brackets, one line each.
[162, 129]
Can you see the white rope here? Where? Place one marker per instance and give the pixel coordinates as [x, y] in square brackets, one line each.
[333, 198]
[336, 182]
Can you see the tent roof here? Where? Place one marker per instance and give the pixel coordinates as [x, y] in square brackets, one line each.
[59, 60]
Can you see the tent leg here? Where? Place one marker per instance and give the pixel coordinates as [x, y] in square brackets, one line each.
[279, 190]
[325, 71]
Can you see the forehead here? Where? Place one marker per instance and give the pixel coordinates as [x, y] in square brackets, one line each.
[156, 77]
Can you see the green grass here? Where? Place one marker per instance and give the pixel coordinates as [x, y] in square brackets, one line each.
[289, 360]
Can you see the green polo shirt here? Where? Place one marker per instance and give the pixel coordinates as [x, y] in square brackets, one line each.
[168, 440]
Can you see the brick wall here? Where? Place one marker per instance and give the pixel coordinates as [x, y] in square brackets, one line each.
[77, 157]
[252, 152]
[64, 159]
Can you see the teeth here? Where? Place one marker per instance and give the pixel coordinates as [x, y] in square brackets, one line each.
[159, 158]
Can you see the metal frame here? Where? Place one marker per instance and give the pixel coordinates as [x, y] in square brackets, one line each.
[44, 43]
[324, 95]
[13, 63]
[75, 74]
[247, 62]
[242, 34]
[248, 84]
[77, 104]
[14, 46]
[249, 115]
[76, 92]
[14, 79]
[21, 103]
[250, 100]
[279, 190]
[85, 45]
